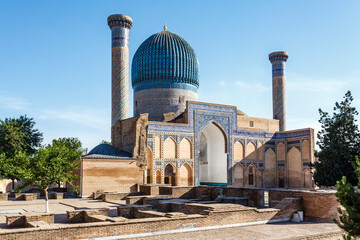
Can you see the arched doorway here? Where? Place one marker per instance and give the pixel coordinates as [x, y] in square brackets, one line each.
[213, 156]
[149, 166]
[186, 176]
[170, 175]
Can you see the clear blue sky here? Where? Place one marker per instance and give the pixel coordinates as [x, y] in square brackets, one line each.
[55, 60]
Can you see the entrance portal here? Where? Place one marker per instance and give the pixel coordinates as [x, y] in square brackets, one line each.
[213, 156]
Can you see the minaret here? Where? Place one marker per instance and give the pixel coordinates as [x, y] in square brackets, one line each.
[120, 26]
[278, 60]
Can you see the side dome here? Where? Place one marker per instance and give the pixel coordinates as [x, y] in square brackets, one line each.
[165, 58]
[106, 151]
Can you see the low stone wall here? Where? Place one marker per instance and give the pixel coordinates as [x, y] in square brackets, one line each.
[178, 192]
[130, 210]
[108, 197]
[83, 216]
[172, 221]
[56, 195]
[318, 206]
[25, 196]
[4, 196]
[22, 220]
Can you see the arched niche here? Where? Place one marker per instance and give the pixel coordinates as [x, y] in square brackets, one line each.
[251, 151]
[186, 175]
[170, 173]
[270, 168]
[185, 149]
[238, 175]
[239, 152]
[294, 168]
[170, 148]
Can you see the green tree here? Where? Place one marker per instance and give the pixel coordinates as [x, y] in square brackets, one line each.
[339, 143]
[53, 163]
[18, 137]
[349, 197]
[105, 142]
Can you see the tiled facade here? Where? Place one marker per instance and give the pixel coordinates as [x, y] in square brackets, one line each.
[201, 114]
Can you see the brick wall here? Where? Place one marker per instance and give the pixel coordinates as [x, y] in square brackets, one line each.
[109, 175]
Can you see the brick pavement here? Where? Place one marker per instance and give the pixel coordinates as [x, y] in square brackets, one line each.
[287, 230]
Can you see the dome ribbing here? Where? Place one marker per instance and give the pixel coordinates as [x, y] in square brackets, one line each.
[165, 58]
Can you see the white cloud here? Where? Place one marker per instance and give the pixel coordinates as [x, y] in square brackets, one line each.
[13, 103]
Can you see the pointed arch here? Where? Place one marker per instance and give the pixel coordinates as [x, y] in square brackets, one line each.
[149, 165]
[186, 175]
[157, 147]
[270, 168]
[239, 151]
[305, 150]
[294, 167]
[170, 148]
[280, 150]
[238, 175]
[185, 149]
[261, 151]
[170, 174]
[251, 151]
[220, 127]
[213, 158]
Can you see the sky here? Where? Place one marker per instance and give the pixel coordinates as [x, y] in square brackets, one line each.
[55, 57]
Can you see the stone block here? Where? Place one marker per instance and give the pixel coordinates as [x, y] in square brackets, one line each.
[24, 196]
[56, 195]
[4, 196]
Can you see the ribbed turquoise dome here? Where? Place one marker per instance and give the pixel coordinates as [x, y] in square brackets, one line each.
[165, 60]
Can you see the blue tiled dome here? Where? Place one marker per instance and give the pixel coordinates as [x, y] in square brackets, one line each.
[106, 151]
[165, 59]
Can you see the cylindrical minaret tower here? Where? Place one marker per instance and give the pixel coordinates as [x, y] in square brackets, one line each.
[278, 60]
[120, 26]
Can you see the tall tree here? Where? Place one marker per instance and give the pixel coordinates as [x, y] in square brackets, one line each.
[339, 143]
[53, 163]
[349, 197]
[18, 136]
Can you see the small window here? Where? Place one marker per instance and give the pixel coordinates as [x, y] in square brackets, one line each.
[135, 103]
[251, 123]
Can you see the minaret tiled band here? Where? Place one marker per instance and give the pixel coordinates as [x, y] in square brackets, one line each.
[278, 60]
[120, 26]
